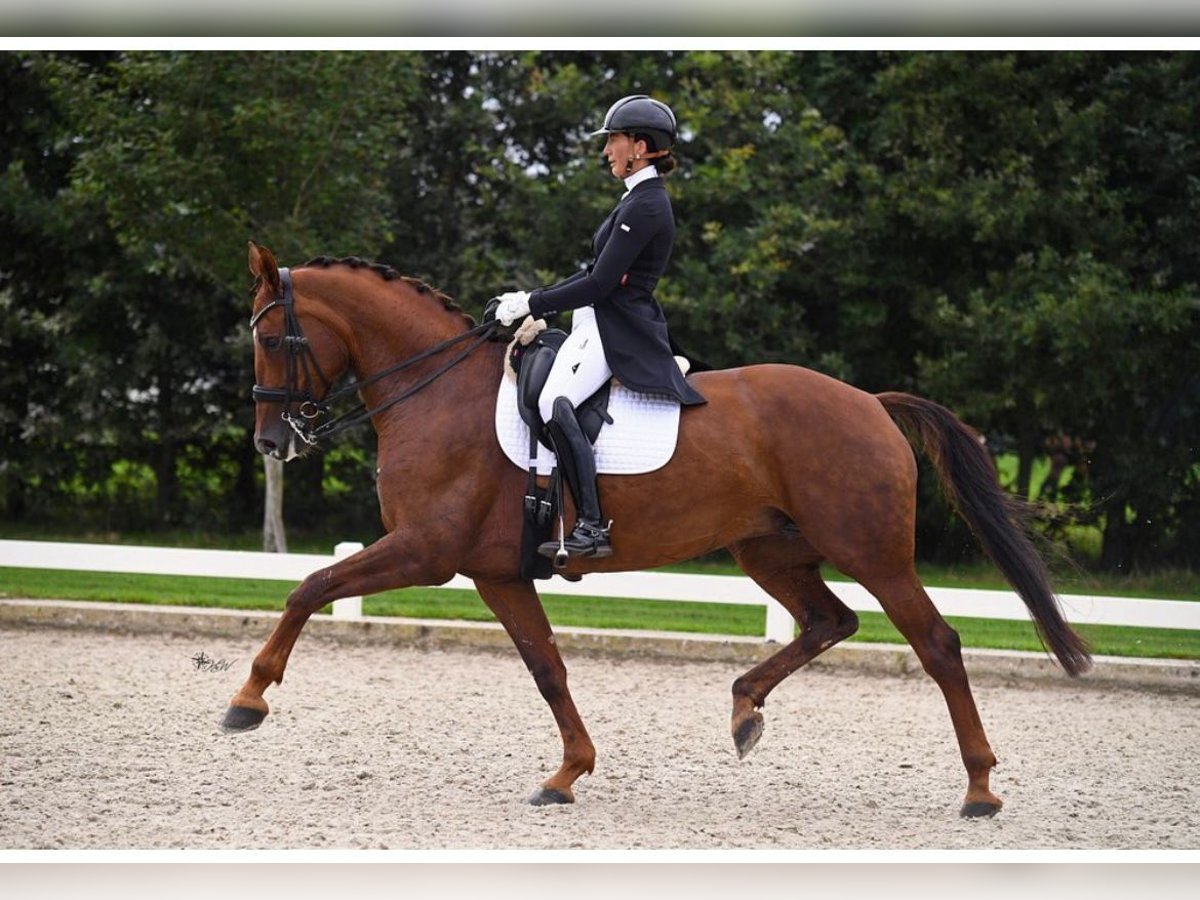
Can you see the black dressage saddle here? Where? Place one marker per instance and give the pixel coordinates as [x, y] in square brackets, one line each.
[532, 363]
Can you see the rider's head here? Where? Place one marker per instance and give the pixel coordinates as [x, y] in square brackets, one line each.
[641, 132]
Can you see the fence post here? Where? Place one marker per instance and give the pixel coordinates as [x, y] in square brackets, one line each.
[347, 607]
[781, 627]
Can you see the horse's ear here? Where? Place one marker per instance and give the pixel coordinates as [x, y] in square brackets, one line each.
[263, 265]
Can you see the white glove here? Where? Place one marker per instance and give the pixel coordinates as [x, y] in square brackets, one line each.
[513, 305]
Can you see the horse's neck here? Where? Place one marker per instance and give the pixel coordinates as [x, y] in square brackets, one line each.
[382, 334]
[383, 331]
[448, 417]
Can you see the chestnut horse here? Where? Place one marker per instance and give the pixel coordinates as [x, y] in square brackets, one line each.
[784, 467]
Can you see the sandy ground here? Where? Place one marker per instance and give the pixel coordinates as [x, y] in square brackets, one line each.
[113, 742]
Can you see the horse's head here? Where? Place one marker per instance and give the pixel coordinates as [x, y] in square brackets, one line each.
[297, 355]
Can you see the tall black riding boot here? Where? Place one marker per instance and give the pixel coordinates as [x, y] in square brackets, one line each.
[577, 460]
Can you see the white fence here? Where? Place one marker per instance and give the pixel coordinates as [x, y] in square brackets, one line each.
[778, 625]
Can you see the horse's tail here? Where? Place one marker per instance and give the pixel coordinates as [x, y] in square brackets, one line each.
[997, 518]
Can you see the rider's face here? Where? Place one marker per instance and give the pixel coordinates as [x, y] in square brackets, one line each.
[620, 150]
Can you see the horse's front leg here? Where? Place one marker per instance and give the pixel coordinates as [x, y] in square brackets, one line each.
[519, 609]
[379, 567]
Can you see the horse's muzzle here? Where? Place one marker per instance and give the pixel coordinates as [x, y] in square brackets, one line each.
[265, 446]
[278, 448]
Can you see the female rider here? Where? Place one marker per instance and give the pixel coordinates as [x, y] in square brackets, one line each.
[618, 327]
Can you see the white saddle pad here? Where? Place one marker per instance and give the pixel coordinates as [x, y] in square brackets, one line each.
[640, 439]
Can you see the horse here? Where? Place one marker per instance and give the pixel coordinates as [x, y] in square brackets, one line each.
[784, 467]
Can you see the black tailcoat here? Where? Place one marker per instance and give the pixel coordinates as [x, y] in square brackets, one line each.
[630, 248]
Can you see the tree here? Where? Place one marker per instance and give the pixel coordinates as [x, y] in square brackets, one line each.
[54, 253]
[1052, 289]
[182, 157]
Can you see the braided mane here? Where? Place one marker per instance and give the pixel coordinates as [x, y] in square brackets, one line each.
[388, 274]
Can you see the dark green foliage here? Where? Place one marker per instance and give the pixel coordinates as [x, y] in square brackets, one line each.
[1009, 233]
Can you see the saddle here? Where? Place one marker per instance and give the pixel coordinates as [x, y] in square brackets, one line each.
[532, 363]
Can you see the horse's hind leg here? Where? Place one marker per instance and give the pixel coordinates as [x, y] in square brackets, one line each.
[785, 567]
[940, 651]
[519, 609]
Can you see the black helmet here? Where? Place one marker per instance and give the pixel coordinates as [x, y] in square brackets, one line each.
[641, 114]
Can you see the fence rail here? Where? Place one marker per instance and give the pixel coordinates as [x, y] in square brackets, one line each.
[731, 589]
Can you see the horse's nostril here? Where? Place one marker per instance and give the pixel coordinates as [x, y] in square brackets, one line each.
[265, 446]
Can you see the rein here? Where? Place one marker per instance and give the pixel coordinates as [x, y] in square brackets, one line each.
[302, 359]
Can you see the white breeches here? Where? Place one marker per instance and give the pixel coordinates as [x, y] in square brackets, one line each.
[580, 368]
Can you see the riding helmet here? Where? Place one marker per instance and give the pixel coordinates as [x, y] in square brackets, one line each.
[641, 114]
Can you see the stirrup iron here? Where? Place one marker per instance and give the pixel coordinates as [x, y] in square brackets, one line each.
[591, 542]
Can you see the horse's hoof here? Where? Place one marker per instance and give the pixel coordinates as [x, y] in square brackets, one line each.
[979, 810]
[242, 718]
[747, 734]
[549, 797]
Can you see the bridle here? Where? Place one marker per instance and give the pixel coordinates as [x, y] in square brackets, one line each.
[302, 363]
[300, 358]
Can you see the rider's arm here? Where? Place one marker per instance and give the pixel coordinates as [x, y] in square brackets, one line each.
[633, 229]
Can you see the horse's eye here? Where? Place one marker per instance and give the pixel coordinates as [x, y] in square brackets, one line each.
[269, 341]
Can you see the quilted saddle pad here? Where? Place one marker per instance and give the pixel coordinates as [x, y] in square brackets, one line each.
[640, 439]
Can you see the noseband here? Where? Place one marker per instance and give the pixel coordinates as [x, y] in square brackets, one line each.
[302, 362]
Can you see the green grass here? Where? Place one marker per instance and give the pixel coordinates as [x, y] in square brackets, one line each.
[592, 612]
[1168, 584]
